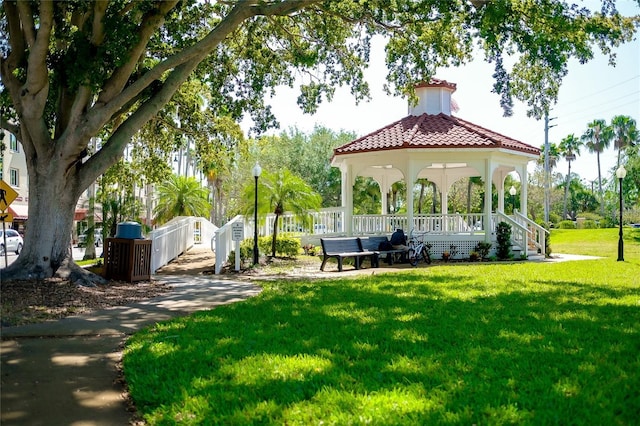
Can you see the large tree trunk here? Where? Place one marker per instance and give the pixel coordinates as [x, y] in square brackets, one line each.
[47, 243]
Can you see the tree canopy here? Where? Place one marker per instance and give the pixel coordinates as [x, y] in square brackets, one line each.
[75, 70]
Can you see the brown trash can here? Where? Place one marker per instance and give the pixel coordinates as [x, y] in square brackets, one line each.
[127, 259]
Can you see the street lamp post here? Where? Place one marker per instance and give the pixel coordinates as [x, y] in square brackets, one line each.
[513, 191]
[620, 174]
[256, 174]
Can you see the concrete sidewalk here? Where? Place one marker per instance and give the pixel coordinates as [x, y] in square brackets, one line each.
[65, 372]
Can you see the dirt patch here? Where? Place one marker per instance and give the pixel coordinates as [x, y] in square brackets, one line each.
[27, 302]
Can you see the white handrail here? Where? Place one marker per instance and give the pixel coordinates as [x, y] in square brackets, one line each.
[170, 240]
[519, 232]
[224, 241]
[537, 234]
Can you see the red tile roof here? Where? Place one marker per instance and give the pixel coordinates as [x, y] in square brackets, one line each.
[433, 131]
[436, 82]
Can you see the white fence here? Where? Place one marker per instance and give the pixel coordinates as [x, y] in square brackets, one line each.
[176, 237]
[445, 230]
[223, 240]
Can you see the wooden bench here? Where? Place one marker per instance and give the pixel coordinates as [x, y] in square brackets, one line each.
[373, 244]
[341, 248]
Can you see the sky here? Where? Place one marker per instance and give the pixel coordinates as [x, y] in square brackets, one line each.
[590, 91]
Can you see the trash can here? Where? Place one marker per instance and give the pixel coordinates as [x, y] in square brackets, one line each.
[128, 255]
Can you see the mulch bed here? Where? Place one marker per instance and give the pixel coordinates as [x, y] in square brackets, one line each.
[26, 302]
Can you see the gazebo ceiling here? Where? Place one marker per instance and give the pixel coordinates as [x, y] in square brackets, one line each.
[441, 131]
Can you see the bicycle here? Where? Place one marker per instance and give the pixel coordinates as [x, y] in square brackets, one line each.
[418, 249]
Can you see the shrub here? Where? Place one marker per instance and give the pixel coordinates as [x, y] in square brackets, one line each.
[482, 248]
[590, 224]
[474, 256]
[246, 252]
[285, 246]
[503, 235]
[566, 224]
[591, 216]
[631, 216]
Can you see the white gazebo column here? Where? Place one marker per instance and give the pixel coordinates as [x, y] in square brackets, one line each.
[488, 171]
[524, 179]
[410, 175]
[444, 203]
[347, 198]
[383, 183]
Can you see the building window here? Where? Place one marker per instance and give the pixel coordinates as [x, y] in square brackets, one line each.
[14, 177]
[13, 143]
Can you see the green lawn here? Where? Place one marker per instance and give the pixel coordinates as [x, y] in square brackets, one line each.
[505, 343]
[596, 242]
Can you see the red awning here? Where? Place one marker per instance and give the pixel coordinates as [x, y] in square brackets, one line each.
[81, 214]
[19, 211]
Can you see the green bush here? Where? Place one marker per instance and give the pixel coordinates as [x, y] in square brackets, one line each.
[246, 252]
[482, 249]
[590, 224]
[554, 218]
[631, 216]
[503, 235]
[566, 224]
[608, 222]
[285, 246]
[591, 216]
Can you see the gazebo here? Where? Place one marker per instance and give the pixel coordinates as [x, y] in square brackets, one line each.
[432, 144]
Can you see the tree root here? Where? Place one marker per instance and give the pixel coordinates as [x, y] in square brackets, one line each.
[78, 275]
[68, 270]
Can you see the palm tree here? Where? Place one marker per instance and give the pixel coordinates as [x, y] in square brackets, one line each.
[282, 192]
[625, 133]
[180, 196]
[597, 139]
[216, 170]
[570, 148]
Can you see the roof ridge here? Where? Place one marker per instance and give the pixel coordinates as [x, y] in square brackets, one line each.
[388, 126]
[414, 129]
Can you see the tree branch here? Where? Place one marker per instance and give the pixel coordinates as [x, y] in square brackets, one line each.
[26, 18]
[16, 36]
[97, 34]
[37, 78]
[150, 23]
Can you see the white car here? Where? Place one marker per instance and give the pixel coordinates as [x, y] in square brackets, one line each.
[14, 241]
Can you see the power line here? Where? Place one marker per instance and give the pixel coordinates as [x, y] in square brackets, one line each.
[590, 116]
[604, 90]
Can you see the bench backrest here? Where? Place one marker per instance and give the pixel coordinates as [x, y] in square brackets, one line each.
[341, 245]
[373, 243]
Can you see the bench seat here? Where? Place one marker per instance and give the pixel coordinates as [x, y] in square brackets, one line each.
[346, 247]
[373, 244]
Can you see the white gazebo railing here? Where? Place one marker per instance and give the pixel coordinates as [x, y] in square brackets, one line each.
[462, 230]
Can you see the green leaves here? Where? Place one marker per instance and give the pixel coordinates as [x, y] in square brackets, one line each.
[180, 196]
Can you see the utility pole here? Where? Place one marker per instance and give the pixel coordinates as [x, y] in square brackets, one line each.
[547, 177]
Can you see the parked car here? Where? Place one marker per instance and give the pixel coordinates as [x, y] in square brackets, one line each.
[97, 238]
[14, 242]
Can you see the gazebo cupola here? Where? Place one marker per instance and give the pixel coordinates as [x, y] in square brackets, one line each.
[434, 97]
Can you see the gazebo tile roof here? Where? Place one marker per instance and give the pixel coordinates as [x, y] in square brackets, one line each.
[433, 131]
